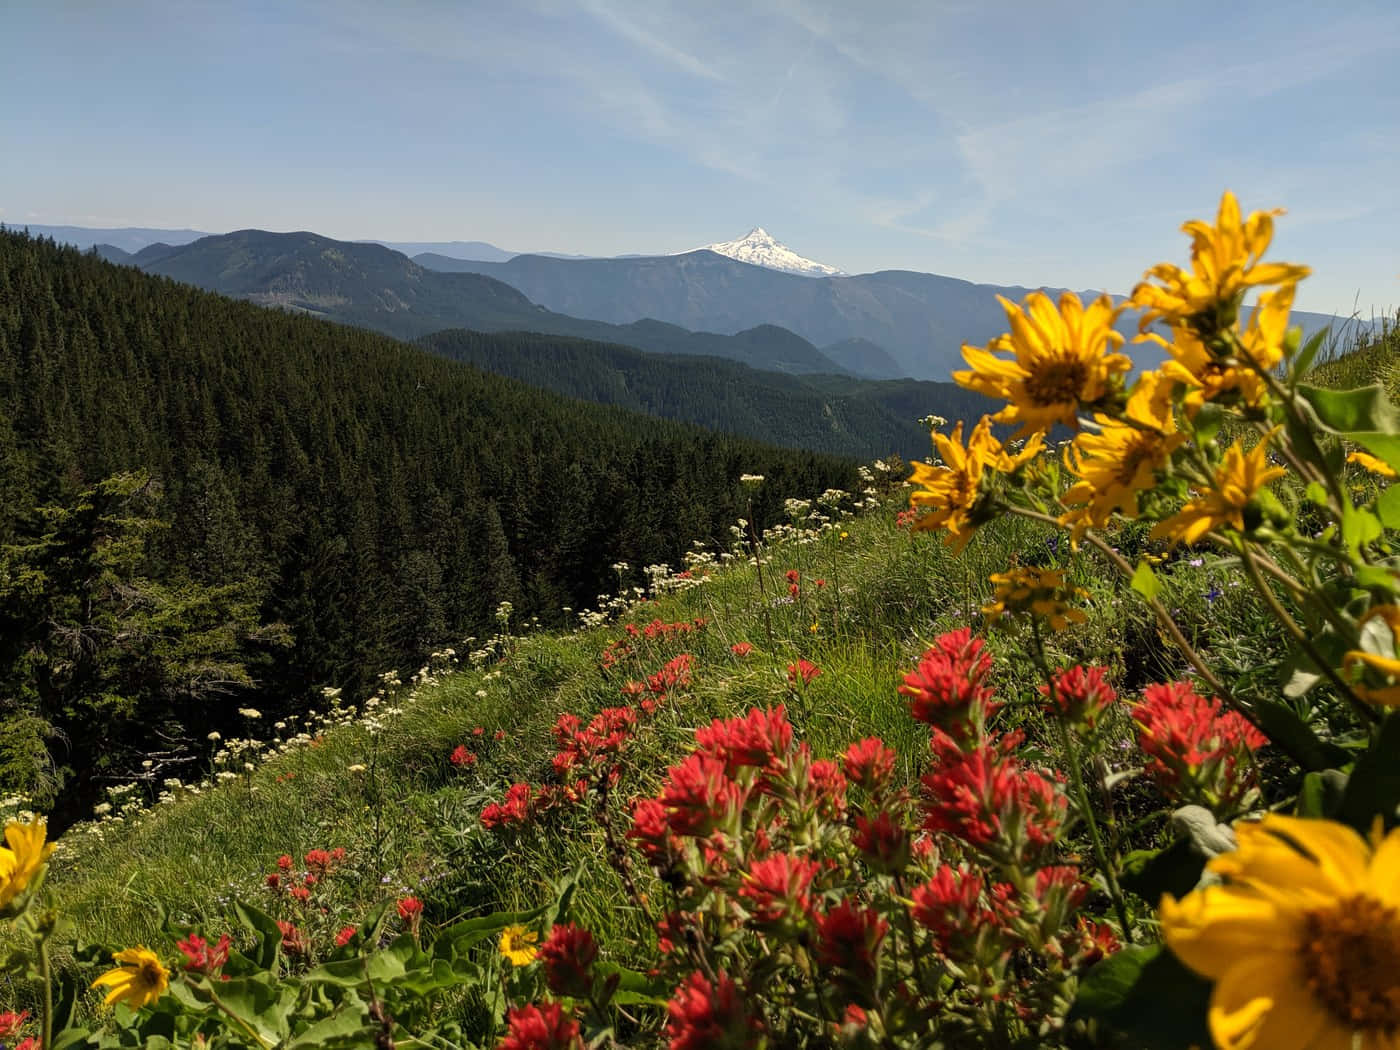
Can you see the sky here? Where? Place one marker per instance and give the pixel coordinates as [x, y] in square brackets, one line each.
[1010, 143]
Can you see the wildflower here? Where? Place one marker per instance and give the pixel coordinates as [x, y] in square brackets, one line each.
[1369, 462]
[1097, 941]
[760, 738]
[699, 795]
[300, 894]
[950, 906]
[200, 957]
[650, 829]
[1039, 592]
[1225, 262]
[318, 861]
[946, 689]
[1122, 458]
[1302, 938]
[869, 763]
[1060, 362]
[357, 767]
[984, 797]
[883, 842]
[705, 1016]
[776, 887]
[517, 944]
[137, 980]
[22, 857]
[1198, 752]
[568, 954]
[953, 493]
[10, 1022]
[410, 911]
[804, 670]
[848, 942]
[461, 757]
[1078, 695]
[345, 936]
[543, 1027]
[741, 648]
[274, 881]
[284, 862]
[751, 481]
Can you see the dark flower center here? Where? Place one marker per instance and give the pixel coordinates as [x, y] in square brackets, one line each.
[1057, 382]
[1351, 958]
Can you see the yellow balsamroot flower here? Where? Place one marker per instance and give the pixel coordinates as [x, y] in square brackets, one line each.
[1061, 362]
[1224, 263]
[1302, 940]
[1121, 459]
[1369, 462]
[953, 490]
[518, 945]
[22, 857]
[1038, 592]
[1209, 377]
[138, 979]
[1387, 667]
[1237, 480]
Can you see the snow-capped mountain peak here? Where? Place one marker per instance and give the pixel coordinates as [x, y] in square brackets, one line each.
[761, 248]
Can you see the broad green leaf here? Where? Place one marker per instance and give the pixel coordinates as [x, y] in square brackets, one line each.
[1388, 507]
[1364, 415]
[1373, 577]
[464, 934]
[1174, 870]
[1322, 794]
[264, 928]
[1283, 726]
[1316, 493]
[631, 987]
[1145, 581]
[1373, 790]
[1359, 526]
[346, 1027]
[1146, 994]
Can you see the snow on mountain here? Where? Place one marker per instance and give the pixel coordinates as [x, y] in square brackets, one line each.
[761, 248]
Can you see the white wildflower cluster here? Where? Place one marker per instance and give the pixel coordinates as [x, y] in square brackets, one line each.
[751, 481]
[933, 422]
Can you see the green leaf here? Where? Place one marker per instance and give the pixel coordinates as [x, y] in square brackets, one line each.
[1388, 507]
[470, 931]
[345, 1028]
[1364, 415]
[260, 1003]
[1145, 993]
[1174, 870]
[1145, 581]
[1305, 356]
[632, 988]
[1322, 794]
[1365, 408]
[1283, 726]
[1359, 526]
[1316, 493]
[1373, 790]
[268, 938]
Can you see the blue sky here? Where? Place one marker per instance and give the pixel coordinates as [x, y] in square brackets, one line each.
[1027, 143]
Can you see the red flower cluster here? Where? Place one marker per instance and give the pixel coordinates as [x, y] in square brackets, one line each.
[776, 887]
[345, 936]
[588, 754]
[985, 797]
[947, 690]
[410, 910]
[543, 1027]
[758, 739]
[568, 954]
[803, 671]
[969, 920]
[1199, 752]
[869, 763]
[706, 1016]
[741, 648]
[461, 757]
[794, 579]
[319, 861]
[621, 649]
[293, 940]
[10, 1022]
[1079, 695]
[201, 957]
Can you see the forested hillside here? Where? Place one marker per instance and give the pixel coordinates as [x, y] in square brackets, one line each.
[836, 414]
[293, 504]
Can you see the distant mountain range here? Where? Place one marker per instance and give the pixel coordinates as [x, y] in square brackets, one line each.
[887, 324]
[375, 287]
